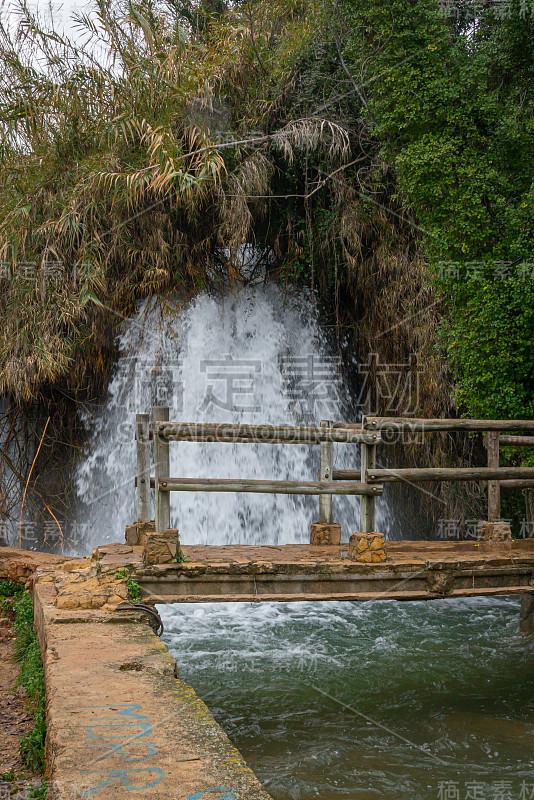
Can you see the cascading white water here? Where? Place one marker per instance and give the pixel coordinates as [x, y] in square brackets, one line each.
[258, 356]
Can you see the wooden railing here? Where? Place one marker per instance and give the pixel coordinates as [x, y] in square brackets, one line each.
[494, 474]
[366, 482]
[165, 431]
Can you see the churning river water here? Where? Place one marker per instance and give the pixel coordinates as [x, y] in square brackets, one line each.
[397, 701]
[368, 701]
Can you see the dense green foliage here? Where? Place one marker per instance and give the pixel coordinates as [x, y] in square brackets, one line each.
[31, 677]
[457, 120]
[489, 341]
[10, 589]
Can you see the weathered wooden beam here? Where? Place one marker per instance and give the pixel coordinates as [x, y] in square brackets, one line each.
[268, 434]
[160, 415]
[409, 424]
[143, 467]
[265, 487]
[526, 441]
[494, 489]
[367, 503]
[326, 467]
[517, 484]
[435, 474]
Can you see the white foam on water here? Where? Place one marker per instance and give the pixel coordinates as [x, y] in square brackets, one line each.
[259, 356]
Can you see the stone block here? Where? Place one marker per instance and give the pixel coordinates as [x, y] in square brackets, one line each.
[74, 564]
[145, 528]
[85, 590]
[440, 582]
[526, 626]
[368, 548]
[161, 548]
[136, 533]
[527, 605]
[494, 531]
[132, 536]
[325, 534]
[526, 614]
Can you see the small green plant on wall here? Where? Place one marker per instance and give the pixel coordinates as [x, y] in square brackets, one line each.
[134, 591]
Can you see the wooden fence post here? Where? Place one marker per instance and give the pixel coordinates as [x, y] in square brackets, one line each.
[367, 503]
[161, 470]
[325, 474]
[143, 467]
[494, 487]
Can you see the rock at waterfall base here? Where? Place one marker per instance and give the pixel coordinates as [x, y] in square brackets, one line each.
[368, 548]
[322, 534]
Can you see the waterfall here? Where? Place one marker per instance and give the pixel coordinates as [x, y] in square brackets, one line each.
[259, 356]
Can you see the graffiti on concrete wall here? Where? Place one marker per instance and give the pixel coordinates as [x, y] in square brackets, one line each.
[124, 736]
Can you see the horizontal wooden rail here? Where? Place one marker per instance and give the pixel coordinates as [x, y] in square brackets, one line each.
[265, 487]
[409, 424]
[367, 481]
[257, 434]
[435, 474]
[517, 484]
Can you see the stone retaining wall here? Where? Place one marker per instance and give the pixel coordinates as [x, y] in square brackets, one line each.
[120, 722]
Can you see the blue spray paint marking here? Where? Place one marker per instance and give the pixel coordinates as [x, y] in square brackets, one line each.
[122, 776]
[146, 729]
[127, 710]
[127, 719]
[118, 749]
[133, 720]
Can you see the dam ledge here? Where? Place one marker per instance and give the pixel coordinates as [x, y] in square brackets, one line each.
[413, 570]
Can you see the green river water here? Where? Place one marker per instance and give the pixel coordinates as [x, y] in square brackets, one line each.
[317, 696]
